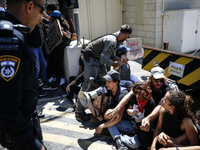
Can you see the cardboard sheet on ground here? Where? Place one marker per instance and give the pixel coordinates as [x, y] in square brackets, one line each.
[54, 36]
[135, 44]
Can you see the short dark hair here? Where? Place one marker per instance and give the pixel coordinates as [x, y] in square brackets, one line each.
[120, 54]
[51, 7]
[117, 80]
[126, 29]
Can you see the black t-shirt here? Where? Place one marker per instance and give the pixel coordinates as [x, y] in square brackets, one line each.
[81, 62]
[34, 38]
[148, 108]
[115, 99]
[66, 41]
[171, 126]
[157, 96]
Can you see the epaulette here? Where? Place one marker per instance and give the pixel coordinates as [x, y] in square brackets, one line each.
[22, 28]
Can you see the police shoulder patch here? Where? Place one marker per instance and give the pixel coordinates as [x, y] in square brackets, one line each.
[9, 66]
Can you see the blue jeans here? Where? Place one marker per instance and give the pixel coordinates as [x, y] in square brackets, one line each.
[126, 83]
[41, 65]
[124, 126]
[132, 142]
[95, 69]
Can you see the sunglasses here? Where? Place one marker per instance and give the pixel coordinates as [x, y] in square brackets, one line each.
[42, 8]
[161, 80]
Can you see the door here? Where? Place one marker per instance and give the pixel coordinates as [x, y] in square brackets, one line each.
[99, 17]
[189, 30]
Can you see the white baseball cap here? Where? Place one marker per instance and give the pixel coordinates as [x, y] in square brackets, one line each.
[158, 72]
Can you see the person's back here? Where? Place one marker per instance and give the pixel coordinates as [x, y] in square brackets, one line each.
[175, 126]
[97, 46]
[124, 71]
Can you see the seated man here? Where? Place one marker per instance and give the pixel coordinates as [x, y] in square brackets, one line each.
[113, 96]
[75, 82]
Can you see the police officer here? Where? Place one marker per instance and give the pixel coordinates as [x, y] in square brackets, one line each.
[99, 53]
[19, 125]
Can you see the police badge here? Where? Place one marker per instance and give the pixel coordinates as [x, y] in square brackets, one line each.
[8, 66]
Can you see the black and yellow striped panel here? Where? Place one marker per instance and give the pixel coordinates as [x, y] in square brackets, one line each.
[191, 75]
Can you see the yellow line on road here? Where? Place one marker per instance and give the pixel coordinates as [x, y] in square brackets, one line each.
[65, 114]
[57, 113]
[81, 143]
[67, 126]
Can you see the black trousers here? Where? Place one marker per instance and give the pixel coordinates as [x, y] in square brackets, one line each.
[55, 61]
[144, 137]
[34, 121]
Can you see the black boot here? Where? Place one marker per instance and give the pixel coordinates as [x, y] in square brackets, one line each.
[82, 115]
[119, 144]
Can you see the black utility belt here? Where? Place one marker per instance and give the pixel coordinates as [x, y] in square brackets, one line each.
[87, 55]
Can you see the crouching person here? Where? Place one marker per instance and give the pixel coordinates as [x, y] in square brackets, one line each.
[101, 107]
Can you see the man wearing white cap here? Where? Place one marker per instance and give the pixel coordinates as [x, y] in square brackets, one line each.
[159, 87]
[157, 83]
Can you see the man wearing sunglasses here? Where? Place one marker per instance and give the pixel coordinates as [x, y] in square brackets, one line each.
[157, 82]
[159, 87]
[19, 124]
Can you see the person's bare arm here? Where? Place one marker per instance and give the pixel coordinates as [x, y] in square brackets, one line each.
[179, 139]
[109, 123]
[80, 69]
[145, 125]
[158, 129]
[190, 130]
[105, 103]
[181, 148]
[68, 86]
[131, 111]
[115, 112]
[117, 64]
[44, 14]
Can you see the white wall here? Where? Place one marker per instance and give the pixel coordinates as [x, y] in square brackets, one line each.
[99, 17]
[150, 24]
